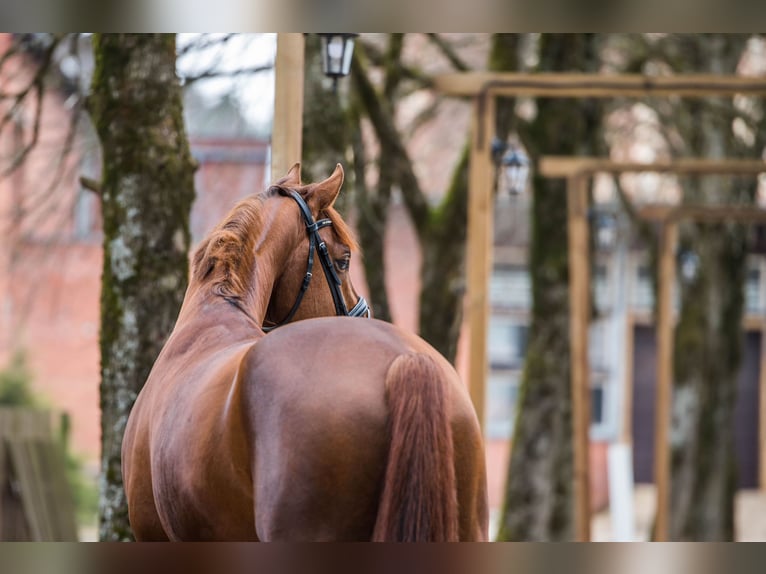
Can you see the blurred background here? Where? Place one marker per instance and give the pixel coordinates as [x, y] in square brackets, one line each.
[404, 146]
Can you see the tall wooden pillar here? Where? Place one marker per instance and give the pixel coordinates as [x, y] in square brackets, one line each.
[479, 249]
[579, 303]
[667, 274]
[287, 131]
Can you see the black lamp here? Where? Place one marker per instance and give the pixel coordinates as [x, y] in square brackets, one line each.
[337, 50]
[515, 166]
[689, 264]
[606, 230]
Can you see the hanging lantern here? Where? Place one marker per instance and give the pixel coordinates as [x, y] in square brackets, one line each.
[606, 231]
[689, 264]
[515, 166]
[337, 50]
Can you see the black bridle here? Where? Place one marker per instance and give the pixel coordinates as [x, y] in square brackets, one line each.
[361, 309]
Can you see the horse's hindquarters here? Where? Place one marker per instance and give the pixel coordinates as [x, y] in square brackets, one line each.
[317, 400]
[320, 451]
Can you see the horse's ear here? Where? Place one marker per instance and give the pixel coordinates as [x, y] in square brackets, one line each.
[293, 177]
[323, 194]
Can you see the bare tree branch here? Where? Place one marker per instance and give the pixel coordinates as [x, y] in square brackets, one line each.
[377, 58]
[91, 184]
[36, 84]
[41, 205]
[22, 154]
[213, 73]
[424, 116]
[385, 128]
[448, 52]
[203, 42]
[9, 53]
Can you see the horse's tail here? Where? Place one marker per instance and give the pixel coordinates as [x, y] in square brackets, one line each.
[419, 498]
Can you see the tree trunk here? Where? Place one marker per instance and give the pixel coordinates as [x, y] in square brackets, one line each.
[709, 336]
[441, 229]
[147, 192]
[442, 272]
[538, 501]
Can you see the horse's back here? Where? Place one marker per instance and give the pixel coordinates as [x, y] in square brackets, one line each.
[285, 438]
[319, 410]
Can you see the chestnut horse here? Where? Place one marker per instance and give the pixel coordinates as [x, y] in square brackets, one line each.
[333, 428]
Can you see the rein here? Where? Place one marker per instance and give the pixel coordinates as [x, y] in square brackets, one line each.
[361, 309]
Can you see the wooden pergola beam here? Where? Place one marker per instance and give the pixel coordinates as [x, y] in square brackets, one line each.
[577, 172]
[703, 213]
[484, 87]
[563, 167]
[556, 85]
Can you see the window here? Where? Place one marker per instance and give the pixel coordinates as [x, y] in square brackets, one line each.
[502, 399]
[507, 342]
[507, 348]
[596, 405]
[597, 345]
[509, 288]
[753, 302]
[601, 289]
[599, 391]
[642, 295]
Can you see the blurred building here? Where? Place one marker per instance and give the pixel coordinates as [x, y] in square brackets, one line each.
[51, 238]
[622, 345]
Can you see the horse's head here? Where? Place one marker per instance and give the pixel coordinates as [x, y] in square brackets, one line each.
[282, 255]
[315, 280]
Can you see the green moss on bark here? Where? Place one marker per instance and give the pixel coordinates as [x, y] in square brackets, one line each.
[443, 266]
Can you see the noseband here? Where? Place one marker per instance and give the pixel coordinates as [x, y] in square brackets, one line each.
[361, 309]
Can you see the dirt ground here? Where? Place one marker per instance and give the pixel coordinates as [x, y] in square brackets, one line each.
[750, 517]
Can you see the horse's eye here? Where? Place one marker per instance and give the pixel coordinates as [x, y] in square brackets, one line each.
[343, 264]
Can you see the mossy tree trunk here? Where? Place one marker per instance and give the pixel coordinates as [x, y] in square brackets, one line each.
[538, 499]
[709, 336]
[331, 134]
[443, 245]
[147, 192]
[441, 229]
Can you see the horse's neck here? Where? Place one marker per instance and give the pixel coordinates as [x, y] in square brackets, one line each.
[213, 313]
[248, 309]
[232, 283]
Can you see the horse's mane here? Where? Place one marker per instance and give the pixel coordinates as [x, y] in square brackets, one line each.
[229, 247]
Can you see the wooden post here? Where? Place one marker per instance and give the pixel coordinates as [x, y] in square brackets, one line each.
[762, 409]
[486, 86]
[579, 302]
[479, 249]
[667, 273]
[287, 131]
[626, 434]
